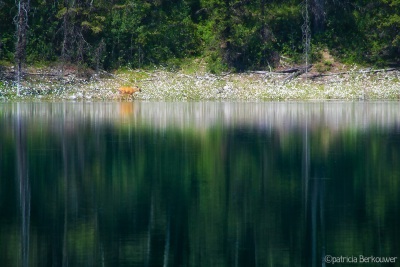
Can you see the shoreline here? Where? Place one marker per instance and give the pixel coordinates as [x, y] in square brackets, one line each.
[164, 85]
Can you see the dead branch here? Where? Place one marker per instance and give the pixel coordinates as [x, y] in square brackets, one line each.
[297, 73]
[379, 70]
[32, 73]
[349, 72]
[297, 69]
[281, 72]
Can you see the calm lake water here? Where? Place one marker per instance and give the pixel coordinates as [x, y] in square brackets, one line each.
[199, 184]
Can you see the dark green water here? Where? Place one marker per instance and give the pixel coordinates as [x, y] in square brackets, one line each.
[199, 184]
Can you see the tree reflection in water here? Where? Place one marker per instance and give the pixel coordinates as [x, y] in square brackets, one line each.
[23, 183]
[197, 184]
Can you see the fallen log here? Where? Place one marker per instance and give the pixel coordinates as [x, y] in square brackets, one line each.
[265, 72]
[31, 73]
[294, 70]
[349, 72]
[327, 74]
[260, 72]
[291, 70]
[379, 70]
[281, 72]
[297, 73]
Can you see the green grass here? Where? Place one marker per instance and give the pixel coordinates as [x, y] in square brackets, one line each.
[192, 82]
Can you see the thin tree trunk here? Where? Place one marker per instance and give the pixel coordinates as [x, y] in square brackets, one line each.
[65, 38]
[21, 22]
[263, 33]
[225, 34]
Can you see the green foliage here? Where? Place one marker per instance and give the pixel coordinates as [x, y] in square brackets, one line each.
[215, 64]
[239, 34]
[323, 66]
[6, 31]
[384, 30]
[231, 34]
[150, 33]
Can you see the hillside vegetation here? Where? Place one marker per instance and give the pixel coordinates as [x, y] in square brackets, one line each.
[230, 35]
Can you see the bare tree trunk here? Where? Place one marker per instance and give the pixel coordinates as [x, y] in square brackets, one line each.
[267, 36]
[65, 38]
[226, 33]
[71, 48]
[305, 28]
[21, 21]
[264, 33]
[99, 52]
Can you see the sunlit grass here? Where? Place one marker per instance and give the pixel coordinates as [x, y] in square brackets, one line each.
[195, 86]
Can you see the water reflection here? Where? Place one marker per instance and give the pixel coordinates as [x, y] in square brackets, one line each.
[24, 188]
[197, 184]
[201, 115]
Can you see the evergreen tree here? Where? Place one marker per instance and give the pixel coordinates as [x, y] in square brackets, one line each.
[241, 36]
[232, 34]
[384, 29]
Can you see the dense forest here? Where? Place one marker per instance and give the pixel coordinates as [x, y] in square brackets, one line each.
[229, 34]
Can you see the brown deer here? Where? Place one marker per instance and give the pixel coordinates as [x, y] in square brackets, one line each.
[129, 90]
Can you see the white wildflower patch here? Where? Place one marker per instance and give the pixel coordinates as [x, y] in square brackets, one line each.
[178, 86]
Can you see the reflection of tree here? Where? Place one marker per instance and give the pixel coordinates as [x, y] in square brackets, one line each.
[149, 231]
[24, 187]
[65, 169]
[313, 198]
[222, 197]
[167, 241]
[317, 221]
